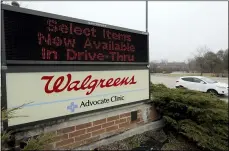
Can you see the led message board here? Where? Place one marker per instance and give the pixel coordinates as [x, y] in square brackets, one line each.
[30, 37]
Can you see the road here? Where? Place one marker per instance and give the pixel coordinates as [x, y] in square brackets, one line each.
[170, 82]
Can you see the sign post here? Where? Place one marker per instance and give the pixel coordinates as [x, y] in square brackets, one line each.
[146, 15]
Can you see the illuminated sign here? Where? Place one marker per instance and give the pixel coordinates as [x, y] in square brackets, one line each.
[57, 94]
[30, 37]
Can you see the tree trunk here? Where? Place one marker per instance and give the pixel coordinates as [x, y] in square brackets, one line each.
[201, 71]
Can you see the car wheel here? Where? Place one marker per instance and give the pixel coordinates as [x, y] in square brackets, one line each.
[214, 92]
[180, 87]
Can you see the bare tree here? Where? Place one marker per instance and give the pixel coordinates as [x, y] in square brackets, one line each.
[153, 67]
[221, 64]
[164, 61]
[205, 60]
[191, 65]
[213, 62]
[225, 60]
[199, 57]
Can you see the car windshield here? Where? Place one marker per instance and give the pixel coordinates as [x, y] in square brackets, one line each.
[208, 80]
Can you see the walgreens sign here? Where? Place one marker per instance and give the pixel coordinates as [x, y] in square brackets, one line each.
[88, 83]
[55, 94]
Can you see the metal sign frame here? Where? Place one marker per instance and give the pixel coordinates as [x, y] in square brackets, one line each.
[59, 17]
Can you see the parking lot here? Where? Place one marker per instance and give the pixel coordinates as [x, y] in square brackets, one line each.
[170, 81]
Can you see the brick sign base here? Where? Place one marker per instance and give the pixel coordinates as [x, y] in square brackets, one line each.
[87, 133]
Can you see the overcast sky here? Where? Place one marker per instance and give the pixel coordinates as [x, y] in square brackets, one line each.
[176, 28]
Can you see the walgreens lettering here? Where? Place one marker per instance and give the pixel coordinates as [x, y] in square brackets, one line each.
[89, 84]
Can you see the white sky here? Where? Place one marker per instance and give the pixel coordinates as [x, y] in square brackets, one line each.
[176, 28]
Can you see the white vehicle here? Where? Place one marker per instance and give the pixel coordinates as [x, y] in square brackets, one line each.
[203, 84]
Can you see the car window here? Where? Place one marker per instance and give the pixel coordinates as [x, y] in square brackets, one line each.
[187, 79]
[196, 80]
[208, 80]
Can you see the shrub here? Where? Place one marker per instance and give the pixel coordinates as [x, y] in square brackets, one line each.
[33, 143]
[200, 117]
